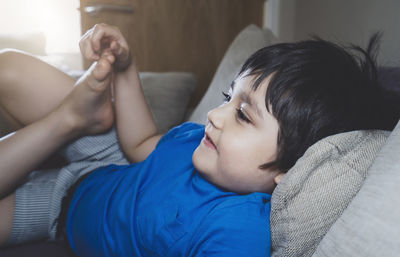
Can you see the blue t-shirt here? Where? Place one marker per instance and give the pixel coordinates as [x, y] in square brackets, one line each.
[164, 207]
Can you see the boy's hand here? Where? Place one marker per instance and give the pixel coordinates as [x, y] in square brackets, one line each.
[103, 38]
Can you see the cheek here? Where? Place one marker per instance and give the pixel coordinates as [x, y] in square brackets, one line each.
[239, 158]
[239, 154]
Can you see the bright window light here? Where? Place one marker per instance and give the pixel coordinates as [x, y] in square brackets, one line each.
[57, 20]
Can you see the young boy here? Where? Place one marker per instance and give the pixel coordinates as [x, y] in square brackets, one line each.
[197, 191]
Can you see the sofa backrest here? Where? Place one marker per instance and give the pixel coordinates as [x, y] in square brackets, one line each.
[246, 43]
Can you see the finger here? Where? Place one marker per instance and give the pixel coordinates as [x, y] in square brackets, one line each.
[95, 38]
[86, 47]
[119, 51]
[116, 48]
[102, 69]
[102, 33]
[109, 56]
[87, 51]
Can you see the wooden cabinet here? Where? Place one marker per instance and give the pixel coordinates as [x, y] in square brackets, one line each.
[176, 35]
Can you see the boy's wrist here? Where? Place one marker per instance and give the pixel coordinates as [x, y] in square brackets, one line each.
[122, 65]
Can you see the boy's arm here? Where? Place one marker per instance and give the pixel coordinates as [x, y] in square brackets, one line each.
[137, 131]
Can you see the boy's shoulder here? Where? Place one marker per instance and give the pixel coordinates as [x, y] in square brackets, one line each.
[185, 127]
[187, 130]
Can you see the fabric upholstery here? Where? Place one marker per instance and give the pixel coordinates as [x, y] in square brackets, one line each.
[246, 43]
[315, 192]
[370, 225]
[168, 95]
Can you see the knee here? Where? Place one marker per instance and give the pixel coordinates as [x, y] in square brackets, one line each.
[8, 54]
[10, 60]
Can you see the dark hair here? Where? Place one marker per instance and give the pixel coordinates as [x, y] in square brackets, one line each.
[317, 89]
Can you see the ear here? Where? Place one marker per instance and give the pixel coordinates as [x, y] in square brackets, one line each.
[278, 177]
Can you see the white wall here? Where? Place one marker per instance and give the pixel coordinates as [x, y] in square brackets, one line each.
[341, 21]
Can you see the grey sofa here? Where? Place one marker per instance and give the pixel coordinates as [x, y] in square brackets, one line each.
[341, 197]
[355, 211]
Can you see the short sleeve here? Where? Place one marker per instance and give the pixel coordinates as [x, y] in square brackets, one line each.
[183, 130]
[241, 230]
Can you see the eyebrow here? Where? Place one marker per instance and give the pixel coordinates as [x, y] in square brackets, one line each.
[247, 99]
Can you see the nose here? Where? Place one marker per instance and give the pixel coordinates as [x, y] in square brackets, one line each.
[216, 117]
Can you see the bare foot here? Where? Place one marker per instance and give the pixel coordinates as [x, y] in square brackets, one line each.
[89, 103]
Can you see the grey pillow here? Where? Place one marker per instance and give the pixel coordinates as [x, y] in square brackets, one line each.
[168, 94]
[246, 43]
[315, 192]
[370, 226]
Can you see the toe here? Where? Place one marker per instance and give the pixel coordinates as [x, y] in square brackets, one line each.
[102, 69]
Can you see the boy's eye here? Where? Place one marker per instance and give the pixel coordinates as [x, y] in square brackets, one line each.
[227, 97]
[241, 115]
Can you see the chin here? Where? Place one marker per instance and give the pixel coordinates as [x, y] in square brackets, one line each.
[201, 166]
[196, 160]
[199, 159]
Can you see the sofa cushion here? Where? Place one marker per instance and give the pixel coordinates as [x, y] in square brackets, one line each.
[315, 192]
[168, 94]
[370, 225]
[246, 43]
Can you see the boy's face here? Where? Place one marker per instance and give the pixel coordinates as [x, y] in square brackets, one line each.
[240, 136]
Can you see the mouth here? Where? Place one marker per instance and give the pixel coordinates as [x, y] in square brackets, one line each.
[208, 142]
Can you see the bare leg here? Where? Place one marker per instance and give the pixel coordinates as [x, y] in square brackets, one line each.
[29, 88]
[48, 118]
